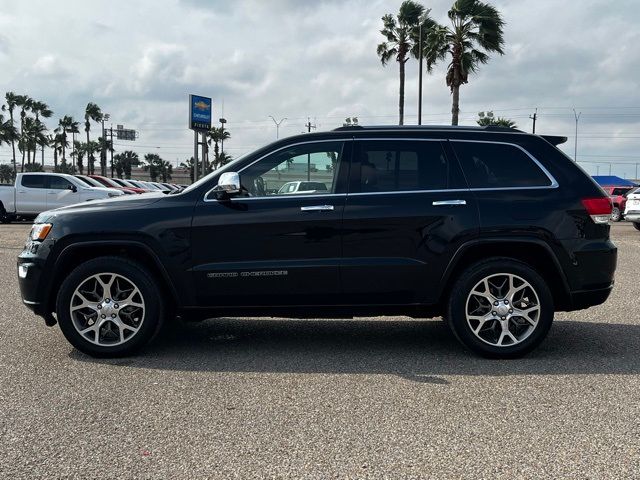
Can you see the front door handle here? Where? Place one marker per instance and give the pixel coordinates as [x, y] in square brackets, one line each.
[449, 202]
[317, 208]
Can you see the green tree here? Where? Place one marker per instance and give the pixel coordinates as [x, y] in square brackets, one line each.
[34, 167]
[24, 102]
[59, 143]
[80, 151]
[67, 125]
[7, 175]
[475, 32]
[12, 101]
[8, 131]
[488, 118]
[189, 164]
[41, 109]
[123, 163]
[157, 167]
[400, 34]
[35, 135]
[91, 113]
[217, 135]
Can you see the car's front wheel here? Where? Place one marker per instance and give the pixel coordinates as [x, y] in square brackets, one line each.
[636, 225]
[500, 308]
[109, 307]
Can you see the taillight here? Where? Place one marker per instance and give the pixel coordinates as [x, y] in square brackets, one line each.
[599, 209]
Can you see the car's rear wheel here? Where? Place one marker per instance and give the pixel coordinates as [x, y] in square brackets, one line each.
[109, 307]
[4, 216]
[636, 225]
[616, 215]
[500, 308]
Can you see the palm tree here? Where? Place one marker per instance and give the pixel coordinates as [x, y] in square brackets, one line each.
[188, 165]
[39, 137]
[123, 162]
[488, 118]
[34, 134]
[41, 109]
[91, 147]
[157, 167]
[400, 41]
[217, 135]
[475, 31]
[8, 131]
[104, 146]
[25, 103]
[92, 112]
[67, 125]
[80, 151]
[11, 99]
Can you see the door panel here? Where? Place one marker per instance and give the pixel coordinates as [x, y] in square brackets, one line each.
[273, 247]
[399, 235]
[59, 193]
[31, 194]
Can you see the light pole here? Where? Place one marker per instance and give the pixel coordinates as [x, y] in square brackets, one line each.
[103, 152]
[575, 148]
[277, 125]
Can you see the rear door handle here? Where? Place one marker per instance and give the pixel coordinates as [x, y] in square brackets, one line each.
[317, 208]
[449, 202]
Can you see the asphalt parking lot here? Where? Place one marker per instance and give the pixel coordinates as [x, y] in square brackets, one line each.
[367, 398]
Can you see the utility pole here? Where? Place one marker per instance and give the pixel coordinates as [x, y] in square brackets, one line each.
[309, 127]
[534, 117]
[103, 152]
[277, 125]
[420, 72]
[575, 148]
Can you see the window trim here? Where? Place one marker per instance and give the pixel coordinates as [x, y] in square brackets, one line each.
[554, 183]
[344, 140]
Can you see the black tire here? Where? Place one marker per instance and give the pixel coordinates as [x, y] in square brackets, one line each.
[636, 225]
[148, 326]
[4, 216]
[461, 290]
[616, 215]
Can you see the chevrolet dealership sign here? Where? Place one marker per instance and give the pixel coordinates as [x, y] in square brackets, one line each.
[199, 112]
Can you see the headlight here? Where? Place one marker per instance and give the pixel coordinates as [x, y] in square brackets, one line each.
[39, 231]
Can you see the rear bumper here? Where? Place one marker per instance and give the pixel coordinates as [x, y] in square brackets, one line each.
[589, 298]
[632, 216]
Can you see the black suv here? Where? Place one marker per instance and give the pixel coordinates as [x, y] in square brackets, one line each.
[493, 229]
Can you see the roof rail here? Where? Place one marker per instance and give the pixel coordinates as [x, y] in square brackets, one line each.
[491, 128]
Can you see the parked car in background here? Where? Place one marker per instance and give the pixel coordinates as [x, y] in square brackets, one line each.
[619, 200]
[491, 228]
[89, 181]
[302, 187]
[632, 207]
[108, 182]
[127, 185]
[34, 193]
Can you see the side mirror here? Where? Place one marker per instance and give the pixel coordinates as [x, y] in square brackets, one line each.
[228, 184]
[73, 188]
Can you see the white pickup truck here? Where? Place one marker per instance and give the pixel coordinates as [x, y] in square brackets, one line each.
[34, 193]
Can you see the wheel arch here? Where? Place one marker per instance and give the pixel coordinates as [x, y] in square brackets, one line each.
[533, 252]
[137, 251]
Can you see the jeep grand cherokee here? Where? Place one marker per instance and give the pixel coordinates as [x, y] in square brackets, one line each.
[492, 229]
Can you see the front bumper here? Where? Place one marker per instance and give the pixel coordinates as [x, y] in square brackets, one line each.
[632, 216]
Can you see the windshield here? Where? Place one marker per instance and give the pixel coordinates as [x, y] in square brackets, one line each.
[206, 178]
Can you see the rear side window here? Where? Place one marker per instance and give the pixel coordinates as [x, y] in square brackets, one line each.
[33, 181]
[498, 165]
[402, 165]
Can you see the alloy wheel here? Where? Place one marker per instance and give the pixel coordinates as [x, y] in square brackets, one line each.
[503, 309]
[107, 309]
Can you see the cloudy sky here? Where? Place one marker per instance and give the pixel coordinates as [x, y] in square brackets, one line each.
[140, 59]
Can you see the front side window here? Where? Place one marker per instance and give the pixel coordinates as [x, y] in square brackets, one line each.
[498, 165]
[308, 169]
[59, 183]
[402, 165]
